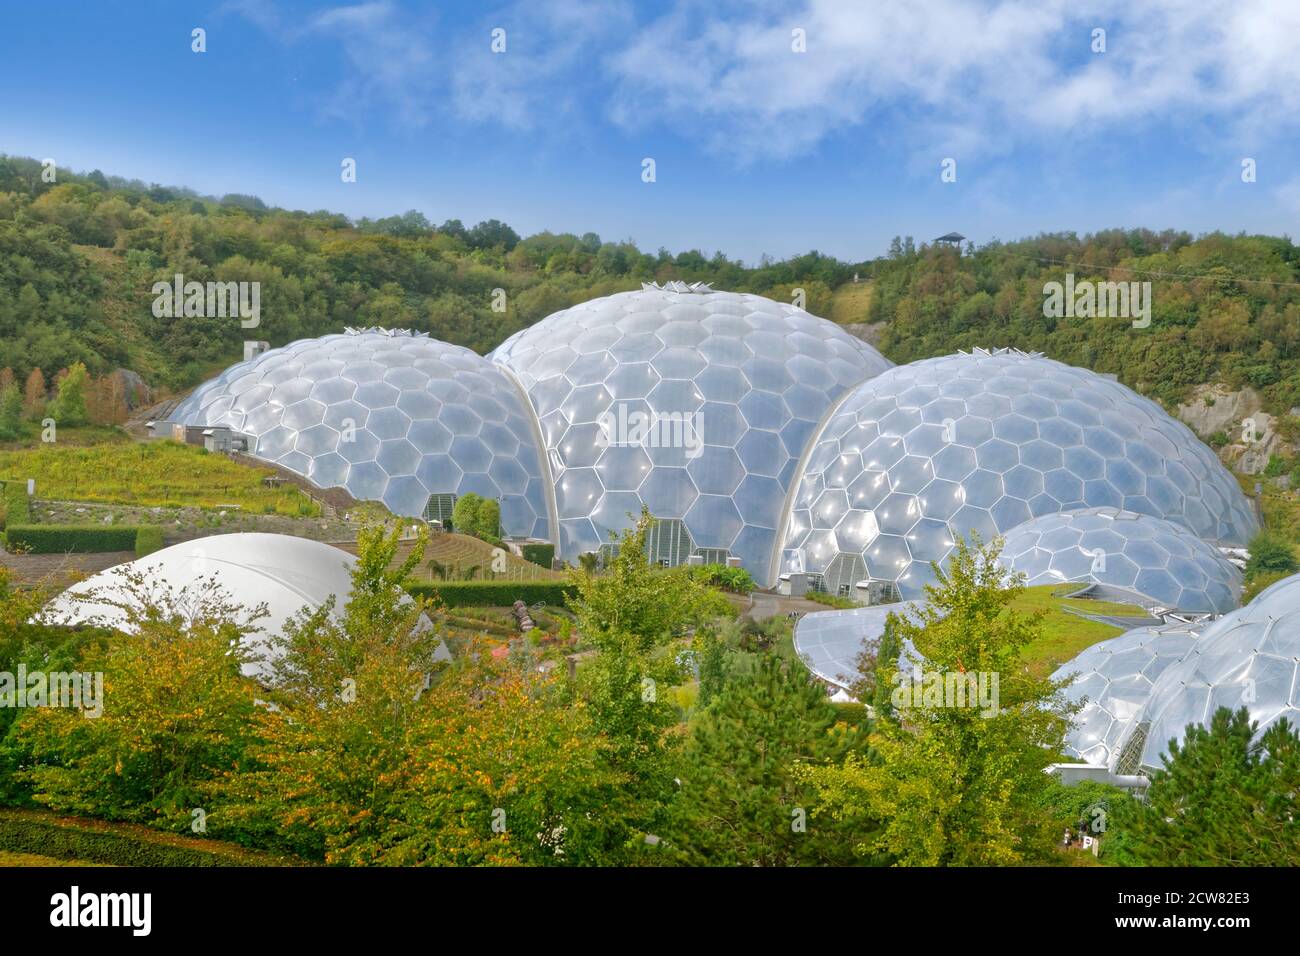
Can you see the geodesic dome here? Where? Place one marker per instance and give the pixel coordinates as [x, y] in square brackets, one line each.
[283, 572]
[1249, 658]
[752, 376]
[1156, 559]
[1113, 681]
[389, 416]
[926, 453]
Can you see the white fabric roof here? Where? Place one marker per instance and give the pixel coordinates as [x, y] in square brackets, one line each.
[286, 573]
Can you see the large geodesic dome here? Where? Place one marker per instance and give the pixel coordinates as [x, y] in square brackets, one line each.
[926, 453]
[1113, 680]
[1154, 559]
[1249, 658]
[748, 377]
[388, 415]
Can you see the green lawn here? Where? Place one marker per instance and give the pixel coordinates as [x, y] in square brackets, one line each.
[1065, 634]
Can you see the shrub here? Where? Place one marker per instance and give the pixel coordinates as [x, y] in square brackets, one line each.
[1277, 465]
[1218, 439]
[148, 539]
[831, 600]
[65, 538]
[542, 554]
[16, 504]
[1270, 554]
[1258, 582]
[736, 580]
[494, 593]
[26, 831]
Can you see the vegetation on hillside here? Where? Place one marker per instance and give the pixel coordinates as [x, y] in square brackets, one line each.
[1223, 308]
[80, 256]
[161, 473]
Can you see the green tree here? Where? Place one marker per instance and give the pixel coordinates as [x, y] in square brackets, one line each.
[11, 412]
[176, 711]
[1220, 799]
[739, 802]
[69, 405]
[959, 780]
[637, 617]
[374, 755]
[487, 520]
[464, 514]
[886, 664]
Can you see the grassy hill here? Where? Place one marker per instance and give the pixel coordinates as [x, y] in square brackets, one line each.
[160, 473]
[851, 304]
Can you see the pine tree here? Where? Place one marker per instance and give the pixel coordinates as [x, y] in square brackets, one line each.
[1220, 800]
[739, 803]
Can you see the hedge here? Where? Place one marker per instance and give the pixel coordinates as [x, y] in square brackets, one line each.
[80, 539]
[148, 539]
[17, 506]
[93, 841]
[543, 554]
[495, 593]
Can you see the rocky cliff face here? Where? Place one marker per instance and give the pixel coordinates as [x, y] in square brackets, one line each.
[1251, 432]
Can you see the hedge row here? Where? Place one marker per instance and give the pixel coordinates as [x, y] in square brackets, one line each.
[148, 539]
[495, 593]
[17, 507]
[92, 841]
[543, 554]
[82, 539]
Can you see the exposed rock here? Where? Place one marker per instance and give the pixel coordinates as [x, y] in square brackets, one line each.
[1252, 434]
[1214, 408]
[135, 390]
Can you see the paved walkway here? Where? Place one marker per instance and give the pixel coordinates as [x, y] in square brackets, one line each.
[765, 605]
[60, 570]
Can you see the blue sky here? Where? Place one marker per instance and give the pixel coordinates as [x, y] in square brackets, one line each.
[758, 149]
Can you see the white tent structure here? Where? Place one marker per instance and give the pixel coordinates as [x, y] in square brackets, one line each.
[283, 572]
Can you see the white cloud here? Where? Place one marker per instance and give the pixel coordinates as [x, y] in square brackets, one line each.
[945, 77]
[980, 74]
[546, 72]
[389, 57]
